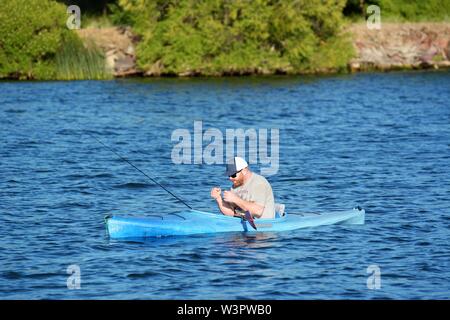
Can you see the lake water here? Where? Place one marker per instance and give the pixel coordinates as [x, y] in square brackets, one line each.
[380, 141]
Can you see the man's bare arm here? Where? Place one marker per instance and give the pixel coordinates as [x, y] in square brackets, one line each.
[255, 209]
[224, 207]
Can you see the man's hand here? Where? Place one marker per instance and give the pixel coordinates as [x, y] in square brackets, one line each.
[230, 197]
[216, 193]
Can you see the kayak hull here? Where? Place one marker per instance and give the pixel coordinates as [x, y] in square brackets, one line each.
[198, 222]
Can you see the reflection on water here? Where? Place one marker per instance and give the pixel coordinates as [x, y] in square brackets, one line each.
[251, 240]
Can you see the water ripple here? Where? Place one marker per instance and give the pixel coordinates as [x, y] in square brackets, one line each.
[341, 145]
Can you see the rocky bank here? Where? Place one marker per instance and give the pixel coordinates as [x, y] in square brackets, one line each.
[401, 46]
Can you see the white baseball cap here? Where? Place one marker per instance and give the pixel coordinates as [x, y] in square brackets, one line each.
[235, 166]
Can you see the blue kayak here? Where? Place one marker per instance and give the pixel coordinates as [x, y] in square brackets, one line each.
[197, 222]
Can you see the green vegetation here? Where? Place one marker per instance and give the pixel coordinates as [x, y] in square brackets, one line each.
[239, 36]
[76, 60]
[35, 43]
[402, 10]
[94, 21]
[189, 37]
[29, 39]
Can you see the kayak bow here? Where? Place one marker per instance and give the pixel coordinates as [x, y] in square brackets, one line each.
[196, 222]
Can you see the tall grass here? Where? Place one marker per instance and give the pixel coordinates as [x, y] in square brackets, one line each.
[96, 21]
[78, 61]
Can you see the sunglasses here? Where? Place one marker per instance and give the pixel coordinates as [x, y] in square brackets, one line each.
[235, 174]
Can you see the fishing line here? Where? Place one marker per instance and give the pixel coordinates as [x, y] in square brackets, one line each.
[131, 164]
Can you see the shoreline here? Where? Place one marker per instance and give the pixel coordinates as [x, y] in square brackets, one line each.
[249, 76]
[395, 47]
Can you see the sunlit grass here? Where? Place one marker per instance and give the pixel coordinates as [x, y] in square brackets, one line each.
[78, 61]
[96, 21]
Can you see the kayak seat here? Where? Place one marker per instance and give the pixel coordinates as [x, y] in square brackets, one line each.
[279, 210]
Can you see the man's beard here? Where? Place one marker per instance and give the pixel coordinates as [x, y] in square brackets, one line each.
[238, 183]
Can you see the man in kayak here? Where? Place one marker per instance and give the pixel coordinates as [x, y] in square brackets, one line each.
[250, 192]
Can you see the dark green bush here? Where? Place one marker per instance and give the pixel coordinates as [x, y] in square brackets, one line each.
[222, 36]
[30, 35]
[403, 10]
[35, 43]
[418, 10]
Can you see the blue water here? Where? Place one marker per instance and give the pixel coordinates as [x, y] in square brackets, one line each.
[381, 141]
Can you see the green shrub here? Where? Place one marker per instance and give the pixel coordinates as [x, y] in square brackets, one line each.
[403, 10]
[35, 43]
[30, 35]
[239, 36]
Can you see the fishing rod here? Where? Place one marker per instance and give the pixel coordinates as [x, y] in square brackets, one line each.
[131, 164]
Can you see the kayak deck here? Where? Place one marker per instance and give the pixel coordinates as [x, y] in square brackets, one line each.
[197, 222]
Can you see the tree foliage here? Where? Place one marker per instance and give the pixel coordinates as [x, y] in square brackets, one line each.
[238, 36]
[30, 35]
[35, 43]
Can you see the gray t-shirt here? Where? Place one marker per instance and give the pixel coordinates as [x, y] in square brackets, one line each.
[257, 189]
